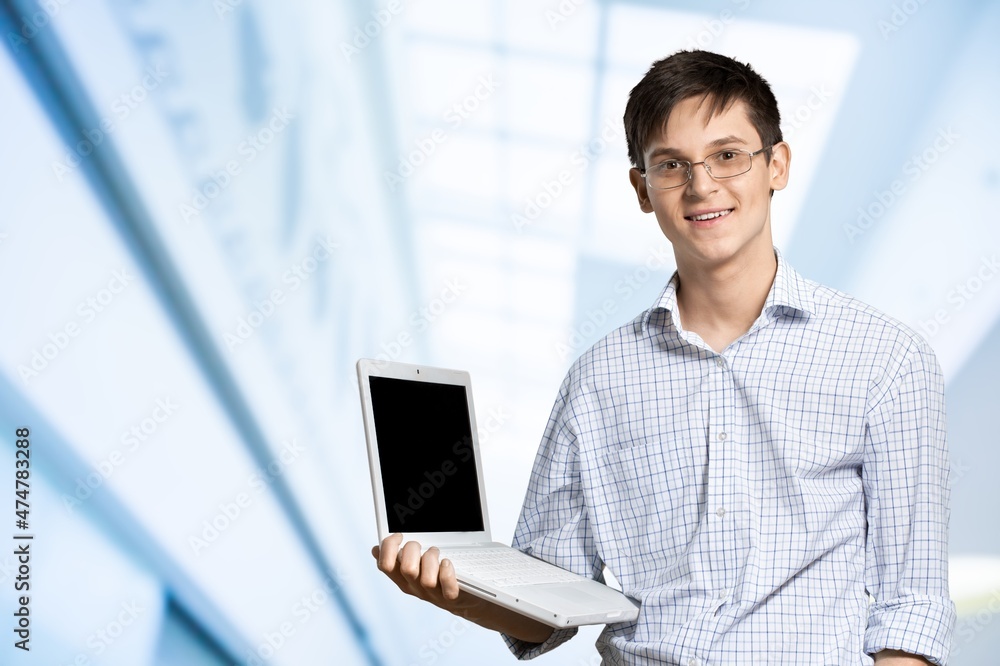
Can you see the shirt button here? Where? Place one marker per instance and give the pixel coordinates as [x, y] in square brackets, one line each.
[719, 362]
[720, 512]
[692, 662]
[723, 594]
[722, 436]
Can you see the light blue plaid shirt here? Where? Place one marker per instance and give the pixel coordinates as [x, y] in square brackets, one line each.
[751, 500]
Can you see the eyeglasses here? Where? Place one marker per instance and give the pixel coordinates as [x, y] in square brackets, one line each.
[724, 164]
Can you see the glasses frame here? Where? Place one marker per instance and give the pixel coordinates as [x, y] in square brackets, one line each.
[708, 169]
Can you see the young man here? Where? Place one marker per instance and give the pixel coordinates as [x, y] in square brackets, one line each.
[759, 460]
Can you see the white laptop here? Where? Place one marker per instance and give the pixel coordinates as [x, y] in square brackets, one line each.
[427, 479]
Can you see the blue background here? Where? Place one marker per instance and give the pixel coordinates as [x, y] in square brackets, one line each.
[210, 210]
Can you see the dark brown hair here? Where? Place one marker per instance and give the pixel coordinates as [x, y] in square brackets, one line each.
[719, 79]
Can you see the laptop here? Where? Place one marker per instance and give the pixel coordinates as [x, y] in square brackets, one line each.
[428, 484]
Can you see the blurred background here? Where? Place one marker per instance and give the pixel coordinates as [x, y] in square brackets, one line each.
[211, 209]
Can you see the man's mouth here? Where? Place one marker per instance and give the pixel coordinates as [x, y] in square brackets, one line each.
[708, 216]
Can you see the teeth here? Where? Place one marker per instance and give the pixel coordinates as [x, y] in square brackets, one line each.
[709, 216]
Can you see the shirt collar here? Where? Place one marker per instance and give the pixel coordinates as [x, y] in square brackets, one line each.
[788, 291]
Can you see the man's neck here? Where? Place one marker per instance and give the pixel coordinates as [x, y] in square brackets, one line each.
[720, 303]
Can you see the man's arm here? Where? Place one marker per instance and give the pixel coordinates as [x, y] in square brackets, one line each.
[905, 475]
[433, 580]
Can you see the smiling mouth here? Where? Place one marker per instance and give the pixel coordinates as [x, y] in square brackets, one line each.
[708, 216]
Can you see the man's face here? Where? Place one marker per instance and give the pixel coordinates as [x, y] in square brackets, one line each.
[713, 222]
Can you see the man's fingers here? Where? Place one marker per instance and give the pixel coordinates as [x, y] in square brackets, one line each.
[388, 552]
[429, 568]
[409, 561]
[425, 576]
[448, 580]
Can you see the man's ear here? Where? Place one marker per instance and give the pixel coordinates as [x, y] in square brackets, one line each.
[639, 183]
[781, 162]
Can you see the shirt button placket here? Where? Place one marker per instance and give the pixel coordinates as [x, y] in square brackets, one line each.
[719, 415]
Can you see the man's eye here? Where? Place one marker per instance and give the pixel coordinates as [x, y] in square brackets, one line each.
[669, 165]
[727, 155]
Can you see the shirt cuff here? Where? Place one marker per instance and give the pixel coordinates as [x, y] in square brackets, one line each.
[524, 650]
[917, 625]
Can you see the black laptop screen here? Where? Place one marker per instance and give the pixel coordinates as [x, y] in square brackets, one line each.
[427, 460]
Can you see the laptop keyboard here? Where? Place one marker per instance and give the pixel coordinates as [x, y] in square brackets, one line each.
[506, 567]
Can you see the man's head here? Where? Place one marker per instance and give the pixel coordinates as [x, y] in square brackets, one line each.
[721, 81]
[713, 121]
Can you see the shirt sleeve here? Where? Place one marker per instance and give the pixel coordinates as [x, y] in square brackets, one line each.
[553, 525]
[906, 484]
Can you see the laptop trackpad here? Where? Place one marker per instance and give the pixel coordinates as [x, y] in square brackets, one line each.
[570, 596]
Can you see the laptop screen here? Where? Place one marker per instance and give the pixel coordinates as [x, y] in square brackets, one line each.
[427, 460]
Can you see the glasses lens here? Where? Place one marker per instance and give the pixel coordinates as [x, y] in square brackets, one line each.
[672, 173]
[728, 163]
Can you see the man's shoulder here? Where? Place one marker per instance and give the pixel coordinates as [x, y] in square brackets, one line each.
[625, 346]
[852, 318]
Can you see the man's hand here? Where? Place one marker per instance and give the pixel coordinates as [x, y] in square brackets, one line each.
[898, 658]
[423, 576]
[429, 578]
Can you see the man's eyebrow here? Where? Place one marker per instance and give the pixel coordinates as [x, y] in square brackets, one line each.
[717, 143]
[725, 141]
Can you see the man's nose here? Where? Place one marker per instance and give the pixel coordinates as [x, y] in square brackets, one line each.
[701, 181]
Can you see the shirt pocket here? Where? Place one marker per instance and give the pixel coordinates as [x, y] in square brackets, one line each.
[650, 511]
